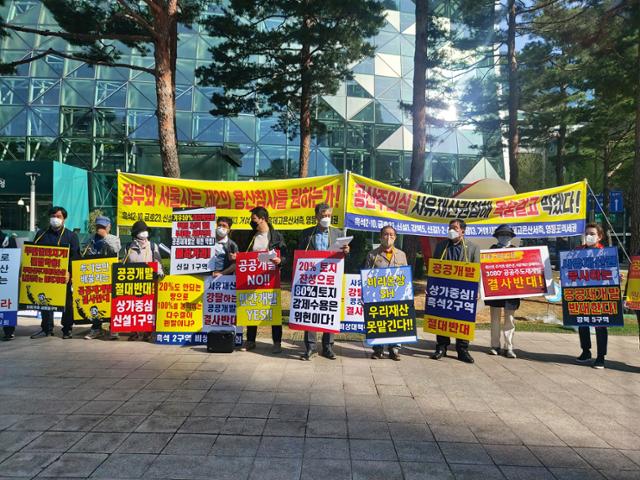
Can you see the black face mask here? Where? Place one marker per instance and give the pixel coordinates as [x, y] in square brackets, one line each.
[253, 224]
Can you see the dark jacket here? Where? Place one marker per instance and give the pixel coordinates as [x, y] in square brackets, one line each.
[508, 303]
[63, 238]
[108, 246]
[470, 251]
[7, 241]
[229, 247]
[276, 241]
[308, 238]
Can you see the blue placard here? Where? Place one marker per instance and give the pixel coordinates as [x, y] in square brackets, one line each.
[391, 284]
[448, 298]
[589, 267]
[187, 338]
[8, 319]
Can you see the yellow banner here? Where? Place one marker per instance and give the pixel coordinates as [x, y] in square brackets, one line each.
[558, 211]
[180, 299]
[633, 284]
[92, 289]
[258, 307]
[290, 202]
[43, 283]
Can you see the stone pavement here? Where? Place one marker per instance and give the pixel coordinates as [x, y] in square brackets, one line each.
[100, 409]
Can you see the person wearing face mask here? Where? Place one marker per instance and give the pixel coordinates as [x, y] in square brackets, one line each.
[57, 235]
[265, 238]
[224, 250]
[142, 250]
[320, 237]
[504, 234]
[593, 235]
[8, 241]
[386, 255]
[458, 249]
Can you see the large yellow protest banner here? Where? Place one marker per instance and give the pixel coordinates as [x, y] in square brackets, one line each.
[558, 211]
[43, 277]
[290, 202]
[92, 289]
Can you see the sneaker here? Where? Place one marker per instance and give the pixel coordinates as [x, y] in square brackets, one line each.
[394, 354]
[465, 356]
[328, 353]
[599, 363]
[40, 334]
[306, 356]
[66, 336]
[494, 351]
[510, 354]
[438, 354]
[277, 348]
[584, 357]
[377, 355]
[93, 334]
[9, 337]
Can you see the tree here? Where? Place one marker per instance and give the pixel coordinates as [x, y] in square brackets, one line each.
[94, 28]
[275, 56]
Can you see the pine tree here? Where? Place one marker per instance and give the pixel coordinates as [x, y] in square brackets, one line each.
[275, 56]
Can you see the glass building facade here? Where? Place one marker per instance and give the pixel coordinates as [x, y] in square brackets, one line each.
[102, 118]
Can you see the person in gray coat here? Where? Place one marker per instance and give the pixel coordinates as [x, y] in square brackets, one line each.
[102, 243]
[460, 250]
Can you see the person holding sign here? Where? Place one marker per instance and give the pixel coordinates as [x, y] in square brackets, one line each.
[224, 250]
[593, 235]
[142, 250]
[504, 234]
[320, 237]
[102, 243]
[57, 235]
[455, 248]
[7, 241]
[386, 255]
[264, 239]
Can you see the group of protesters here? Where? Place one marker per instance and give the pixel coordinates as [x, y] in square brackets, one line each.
[319, 237]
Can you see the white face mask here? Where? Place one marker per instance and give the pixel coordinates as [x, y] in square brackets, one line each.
[591, 239]
[221, 232]
[504, 240]
[325, 222]
[387, 242]
[453, 234]
[142, 236]
[55, 222]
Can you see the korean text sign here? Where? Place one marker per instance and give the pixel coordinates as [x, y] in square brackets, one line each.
[219, 302]
[452, 294]
[179, 307]
[9, 275]
[43, 277]
[353, 311]
[590, 279]
[290, 202]
[257, 291]
[192, 239]
[389, 312]
[516, 272]
[133, 297]
[633, 284]
[558, 211]
[316, 291]
[92, 285]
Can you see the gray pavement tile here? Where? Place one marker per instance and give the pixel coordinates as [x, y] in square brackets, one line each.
[257, 397]
[282, 469]
[161, 423]
[426, 471]
[281, 447]
[324, 412]
[27, 464]
[7, 420]
[289, 412]
[190, 444]
[468, 453]
[366, 470]
[326, 448]
[634, 455]
[36, 422]
[202, 425]
[236, 445]
[74, 465]
[576, 474]
[251, 410]
[559, 457]
[77, 423]
[144, 443]
[54, 442]
[327, 428]
[372, 450]
[453, 433]
[282, 428]
[177, 467]
[526, 473]
[244, 426]
[175, 409]
[211, 409]
[368, 430]
[606, 459]
[99, 407]
[515, 455]
[119, 423]
[410, 431]
[134, 407]
[185, 395]
[124, 466]
[475, 472]
[621, 474]
[416, 451]
[98, 442]
[321, 469]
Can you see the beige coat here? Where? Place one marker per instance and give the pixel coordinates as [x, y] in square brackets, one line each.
[377, 259]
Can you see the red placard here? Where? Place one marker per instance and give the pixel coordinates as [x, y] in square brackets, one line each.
[133, 301]
[252, 274]
[514, 272]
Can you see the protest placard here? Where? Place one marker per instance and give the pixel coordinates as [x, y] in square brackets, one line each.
[316, 291]
[219, 308]
[192, 240]
[633, 284]
[590, 280]
[180, 301]
[352, 312]
[92, 285]
[43, 277]
[9, 276]
[452, 294]
[257, 291]
[133, 297]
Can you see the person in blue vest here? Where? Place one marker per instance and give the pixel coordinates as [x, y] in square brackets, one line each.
[57, 235]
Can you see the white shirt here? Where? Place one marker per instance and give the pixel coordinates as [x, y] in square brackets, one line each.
[260, 242]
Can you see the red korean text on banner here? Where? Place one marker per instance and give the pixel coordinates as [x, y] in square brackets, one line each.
[133, 298]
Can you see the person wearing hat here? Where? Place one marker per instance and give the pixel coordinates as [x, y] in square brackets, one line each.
[504, 234]
[142, 250]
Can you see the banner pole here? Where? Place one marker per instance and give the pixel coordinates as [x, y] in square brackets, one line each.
[344, 204]
[624, 250]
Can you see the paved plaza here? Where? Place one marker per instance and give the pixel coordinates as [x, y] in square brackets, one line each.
[101, 409]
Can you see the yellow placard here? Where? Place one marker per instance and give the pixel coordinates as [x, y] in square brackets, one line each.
[449, 327]
[290, 202]
[43, 272]
[92, 289]
[180, 301]
[258, 307]
[633, 284]
[450, 269]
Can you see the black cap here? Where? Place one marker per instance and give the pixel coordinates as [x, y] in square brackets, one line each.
[138, 227]
[504, 230]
